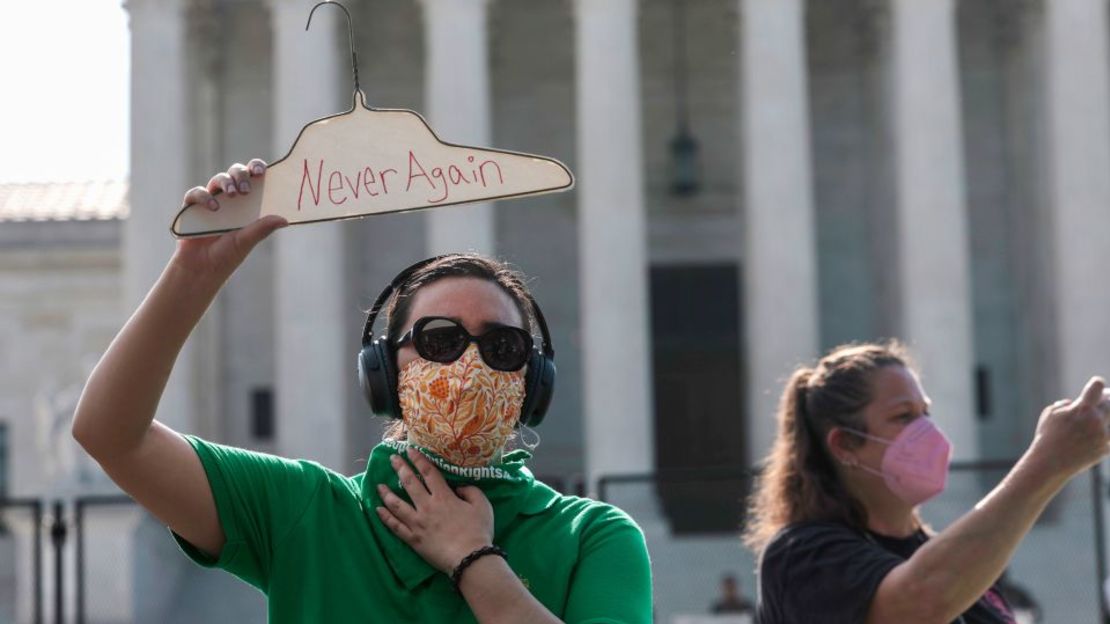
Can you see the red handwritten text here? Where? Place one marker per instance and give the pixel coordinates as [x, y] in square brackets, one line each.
[368, 182]
[341, 186]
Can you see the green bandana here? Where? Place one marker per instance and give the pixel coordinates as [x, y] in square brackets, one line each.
[509, 486]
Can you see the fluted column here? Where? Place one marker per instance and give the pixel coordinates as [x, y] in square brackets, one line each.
[780, 246]
[457, 103]
[616, 367]
[933, 265]
[159, 177]
[159, 172]
[314, 350]
[1079, 185]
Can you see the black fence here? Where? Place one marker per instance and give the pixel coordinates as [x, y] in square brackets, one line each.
[35, 539]
[89, 514]
[691, 518]
[21, 530]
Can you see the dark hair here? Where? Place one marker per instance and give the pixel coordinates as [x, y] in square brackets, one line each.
[799, 482]
[458, 265]
[471, 265]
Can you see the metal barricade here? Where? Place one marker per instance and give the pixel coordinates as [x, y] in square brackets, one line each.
[21, 591]
[83, 509]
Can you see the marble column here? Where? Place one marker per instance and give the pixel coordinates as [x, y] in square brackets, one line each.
[616, 367]
[780, 246]
[315, 351]
[1079, 185]
[159, 173]
[457, 103]
[159, 177]
[933, 263]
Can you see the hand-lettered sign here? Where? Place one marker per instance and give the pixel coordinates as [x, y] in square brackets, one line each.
[371, 161]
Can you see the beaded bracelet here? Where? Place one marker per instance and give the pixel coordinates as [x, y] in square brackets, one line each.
[456, 575]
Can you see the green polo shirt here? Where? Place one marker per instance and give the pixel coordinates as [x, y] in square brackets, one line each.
[309, 538]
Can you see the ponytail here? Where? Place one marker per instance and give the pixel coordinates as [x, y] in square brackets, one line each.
[793, 403]
[799, 482]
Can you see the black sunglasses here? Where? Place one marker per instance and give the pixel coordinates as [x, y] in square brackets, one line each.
[444, 340]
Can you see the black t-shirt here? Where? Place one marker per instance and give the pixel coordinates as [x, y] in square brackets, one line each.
[827, 573]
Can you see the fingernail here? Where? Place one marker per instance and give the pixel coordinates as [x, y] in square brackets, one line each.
[244, 186]
[213, 204]
[257, 169]
[230, 189]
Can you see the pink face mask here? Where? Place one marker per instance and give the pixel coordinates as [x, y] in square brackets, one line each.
[915, 464]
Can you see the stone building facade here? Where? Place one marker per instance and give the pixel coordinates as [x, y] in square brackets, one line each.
[931, 170]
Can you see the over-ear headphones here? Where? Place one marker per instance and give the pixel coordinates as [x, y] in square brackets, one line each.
[377, 361]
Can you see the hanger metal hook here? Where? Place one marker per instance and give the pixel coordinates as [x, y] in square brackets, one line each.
[350, 34]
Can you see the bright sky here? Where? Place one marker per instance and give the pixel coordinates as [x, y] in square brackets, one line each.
[64, 95]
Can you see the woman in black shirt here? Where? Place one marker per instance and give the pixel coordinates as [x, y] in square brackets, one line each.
[834, 518]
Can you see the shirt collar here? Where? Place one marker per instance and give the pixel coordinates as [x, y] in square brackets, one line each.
[509, 486]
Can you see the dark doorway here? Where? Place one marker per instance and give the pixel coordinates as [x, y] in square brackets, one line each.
[699, 424]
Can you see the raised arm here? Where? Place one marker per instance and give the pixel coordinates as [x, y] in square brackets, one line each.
[114, 421]
[948, 574]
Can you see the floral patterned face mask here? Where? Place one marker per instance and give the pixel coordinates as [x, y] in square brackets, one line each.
[464, 411]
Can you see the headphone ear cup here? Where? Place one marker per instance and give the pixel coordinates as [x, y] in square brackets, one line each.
[539, 386]
[378, 378]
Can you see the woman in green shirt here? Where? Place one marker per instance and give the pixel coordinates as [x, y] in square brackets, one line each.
[443, 526]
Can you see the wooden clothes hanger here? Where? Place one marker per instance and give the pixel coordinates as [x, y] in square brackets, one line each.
[368, 161]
